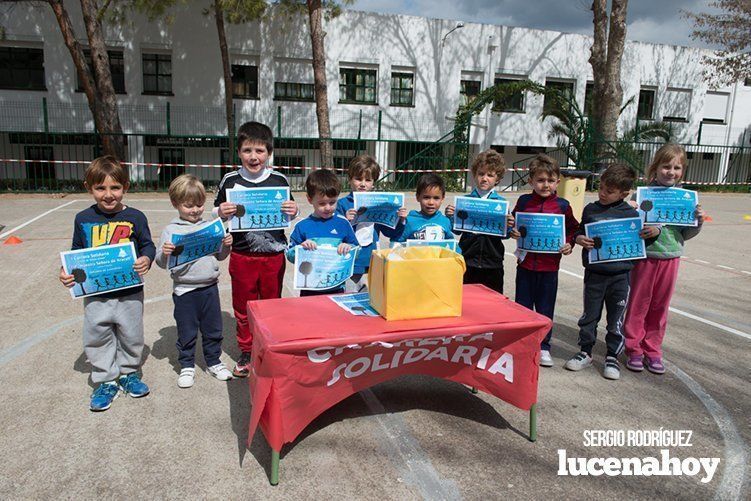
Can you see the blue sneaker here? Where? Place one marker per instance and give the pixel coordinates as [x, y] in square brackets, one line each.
[103, 396]
[133, 386]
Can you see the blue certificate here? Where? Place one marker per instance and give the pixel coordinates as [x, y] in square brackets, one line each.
[258, 209]
[357, 304]
[448, 243]
[480, 215]
[203, 241]
[673, 206]
[323, 268]
[378, 207]
[616, 240]
[97, 270]
[544, 233]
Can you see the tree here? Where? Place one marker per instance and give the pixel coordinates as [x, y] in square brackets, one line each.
[605, 57]
[730, 29]
[319, 82]
[97, 84]
[234, 12]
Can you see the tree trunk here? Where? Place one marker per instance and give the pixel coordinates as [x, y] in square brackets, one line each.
[97, 86]
[228, 89]
[605, 58]
[106, 105]
[320, 86]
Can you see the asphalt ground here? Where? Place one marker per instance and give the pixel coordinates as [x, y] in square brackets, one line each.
[411, 438]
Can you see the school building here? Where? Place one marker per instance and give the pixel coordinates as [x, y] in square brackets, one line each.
[394, 86]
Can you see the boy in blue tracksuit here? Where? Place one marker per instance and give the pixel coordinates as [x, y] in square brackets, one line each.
[484, 254]
[323, 226]
[363, 172]
[428, 223]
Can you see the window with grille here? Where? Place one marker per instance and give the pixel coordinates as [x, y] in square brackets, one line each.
[157, 74]
[117, 70]
[566, 89]
[357, 86]
[402, 89]
[468, 90]
[513, 103]
[292, 91]
[646, 107]
[244, 81]
[22, 68]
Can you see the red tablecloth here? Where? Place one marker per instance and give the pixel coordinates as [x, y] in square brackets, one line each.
[309, 354]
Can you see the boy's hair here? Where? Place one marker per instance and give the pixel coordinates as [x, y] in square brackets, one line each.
[544, 164]
[323, 182]
[187, 188]
[668, 152]
[490, 160]
[427, 181]
[619, 176]
[255, 132]
[364, 166]
[100, 168]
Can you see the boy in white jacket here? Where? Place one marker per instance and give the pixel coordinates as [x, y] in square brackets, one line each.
[196, 295]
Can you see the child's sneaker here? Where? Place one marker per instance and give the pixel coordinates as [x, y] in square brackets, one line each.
[635, 363]
[545, 359]
[103, 396]
[133, 386]
[220, 371]
[578, 362]
[612, 370]
[242, 368]
[187, 377]
[655, 366]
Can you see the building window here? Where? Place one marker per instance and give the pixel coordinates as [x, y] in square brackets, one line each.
[353, 145]
[22, 68]
[530, 150]
[402, 89]
[715, 107]
[357, 86]
[39, 172]
[469, 89]
[289, 91]
[677, 104]
[511, 104]
[589, 95]
[157, 74]
[117, 70]
[707, 156]
[646, 106]
[747, 82]
[566, 89]
[244, 81]
[498, 148]
[169, 172]
[342, 163]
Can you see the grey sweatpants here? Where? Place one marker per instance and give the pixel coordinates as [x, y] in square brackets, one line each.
[612, 290]
[113, 335]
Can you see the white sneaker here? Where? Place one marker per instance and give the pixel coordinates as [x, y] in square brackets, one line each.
[187, 377]
[545, 359]
[220, 371]
[578, 362]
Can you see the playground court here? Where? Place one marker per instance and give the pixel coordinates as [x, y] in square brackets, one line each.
[411, 438]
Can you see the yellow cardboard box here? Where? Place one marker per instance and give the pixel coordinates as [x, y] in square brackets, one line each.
[416, 282]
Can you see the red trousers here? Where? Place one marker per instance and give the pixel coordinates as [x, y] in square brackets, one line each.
[254, 276]
[652, 285]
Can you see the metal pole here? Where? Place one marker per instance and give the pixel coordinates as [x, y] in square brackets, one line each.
[380, 113]
[274, 467]
[359, 127]
[169, 123]
[533, 423]
[278, 121]
[45, 115]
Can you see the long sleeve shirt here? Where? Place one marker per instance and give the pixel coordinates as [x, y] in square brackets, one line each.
[332, 231]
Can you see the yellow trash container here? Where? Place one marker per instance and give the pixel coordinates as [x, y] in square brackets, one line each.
[572, 188]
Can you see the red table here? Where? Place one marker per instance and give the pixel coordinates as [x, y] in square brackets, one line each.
[309, 354]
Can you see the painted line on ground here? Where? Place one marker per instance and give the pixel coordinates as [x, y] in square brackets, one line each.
[407, 456]
[736, 454]
[724, 267]
[40, 216]
[702, 261]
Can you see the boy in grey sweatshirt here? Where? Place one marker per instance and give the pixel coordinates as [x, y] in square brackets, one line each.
[195, 294]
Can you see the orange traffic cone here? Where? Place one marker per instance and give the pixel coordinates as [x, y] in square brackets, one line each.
[12, 240]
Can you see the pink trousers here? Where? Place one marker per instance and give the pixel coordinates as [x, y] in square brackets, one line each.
[652, 285]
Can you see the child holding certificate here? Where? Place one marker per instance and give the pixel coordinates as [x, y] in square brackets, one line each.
[428, 223]
[323, 226]
[256, 264]
[195, 292]
[653, 279]
[537, 273]
[113, 321]
[484, 254]
[363, 172]
[606, 281]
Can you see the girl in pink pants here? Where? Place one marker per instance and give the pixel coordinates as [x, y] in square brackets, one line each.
[653, 279]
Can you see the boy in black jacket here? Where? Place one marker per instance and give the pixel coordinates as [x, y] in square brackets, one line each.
[605, 282]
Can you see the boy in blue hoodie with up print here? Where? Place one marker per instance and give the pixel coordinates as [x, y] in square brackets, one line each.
[428, 223]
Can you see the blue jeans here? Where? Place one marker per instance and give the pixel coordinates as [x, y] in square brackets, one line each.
[537, 291]
[196, 309]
